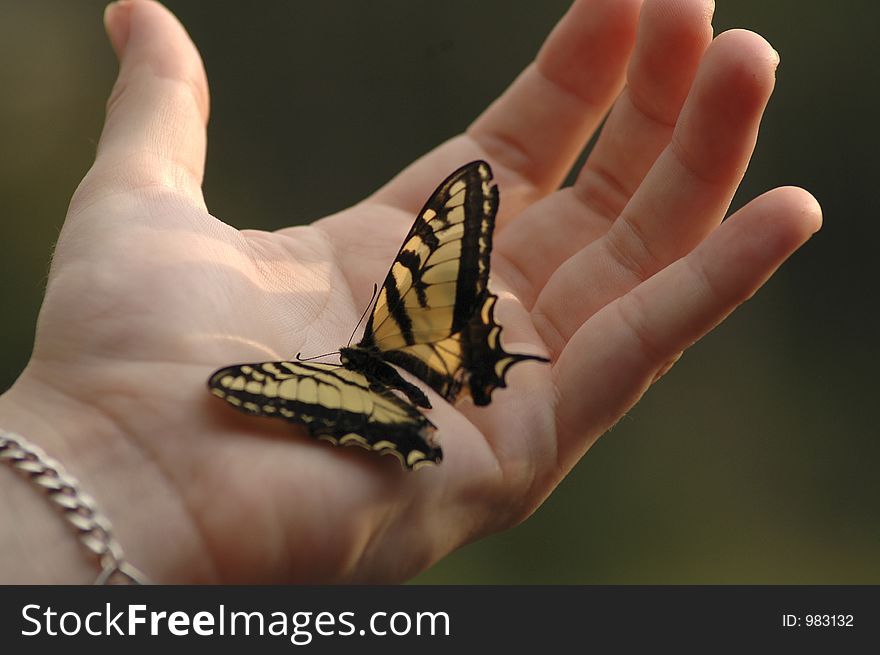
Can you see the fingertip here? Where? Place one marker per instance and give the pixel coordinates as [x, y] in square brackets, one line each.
[590, 45]
[116, 23]
[158, 109]
[672, 39]
[147, 32]
[725, 105]
[683, 12]
[811, 209]
[747, 50]
[778, 222]
[801, 208]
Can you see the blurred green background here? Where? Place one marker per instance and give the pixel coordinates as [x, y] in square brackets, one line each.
[754, 461]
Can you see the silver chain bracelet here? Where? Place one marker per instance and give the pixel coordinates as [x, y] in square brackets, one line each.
[92, 527]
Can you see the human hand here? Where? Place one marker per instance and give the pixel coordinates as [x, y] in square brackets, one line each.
[612, 278]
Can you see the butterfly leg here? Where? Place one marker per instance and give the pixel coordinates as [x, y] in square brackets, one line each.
[369, 363]
[391, 378]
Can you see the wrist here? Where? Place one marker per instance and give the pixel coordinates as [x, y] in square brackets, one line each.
[37, 543]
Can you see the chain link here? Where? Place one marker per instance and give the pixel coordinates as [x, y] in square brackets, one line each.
[78, 508]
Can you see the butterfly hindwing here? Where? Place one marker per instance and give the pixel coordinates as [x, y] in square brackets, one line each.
[337, 404]
[434, 315]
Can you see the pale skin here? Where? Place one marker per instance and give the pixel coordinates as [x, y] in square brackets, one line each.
[612, 278]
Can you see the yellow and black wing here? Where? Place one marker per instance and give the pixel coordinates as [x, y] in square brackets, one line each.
[434, 315]
[336, 404]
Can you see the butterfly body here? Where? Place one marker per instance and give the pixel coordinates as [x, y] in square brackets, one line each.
[370, 363]
[433, 317]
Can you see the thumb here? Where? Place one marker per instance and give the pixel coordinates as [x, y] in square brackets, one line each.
[155, 128]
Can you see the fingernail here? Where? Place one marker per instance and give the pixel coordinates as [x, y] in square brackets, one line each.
[778, 58]
[116, 23]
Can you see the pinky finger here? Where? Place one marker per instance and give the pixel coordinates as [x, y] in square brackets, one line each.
[620, 351]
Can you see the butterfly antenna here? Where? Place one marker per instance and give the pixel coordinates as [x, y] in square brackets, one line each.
[369, 304]
[300, 358]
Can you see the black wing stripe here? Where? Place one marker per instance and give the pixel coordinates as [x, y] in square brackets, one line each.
[472, 278]
[411, 261]
[445, 384]
[397, 310]
[422, 229]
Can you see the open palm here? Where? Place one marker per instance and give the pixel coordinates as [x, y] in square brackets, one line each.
[612, 278]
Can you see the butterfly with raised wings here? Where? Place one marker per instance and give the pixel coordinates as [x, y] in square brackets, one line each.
[433, 317]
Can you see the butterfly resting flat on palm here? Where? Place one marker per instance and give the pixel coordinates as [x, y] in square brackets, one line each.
[433, 317]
